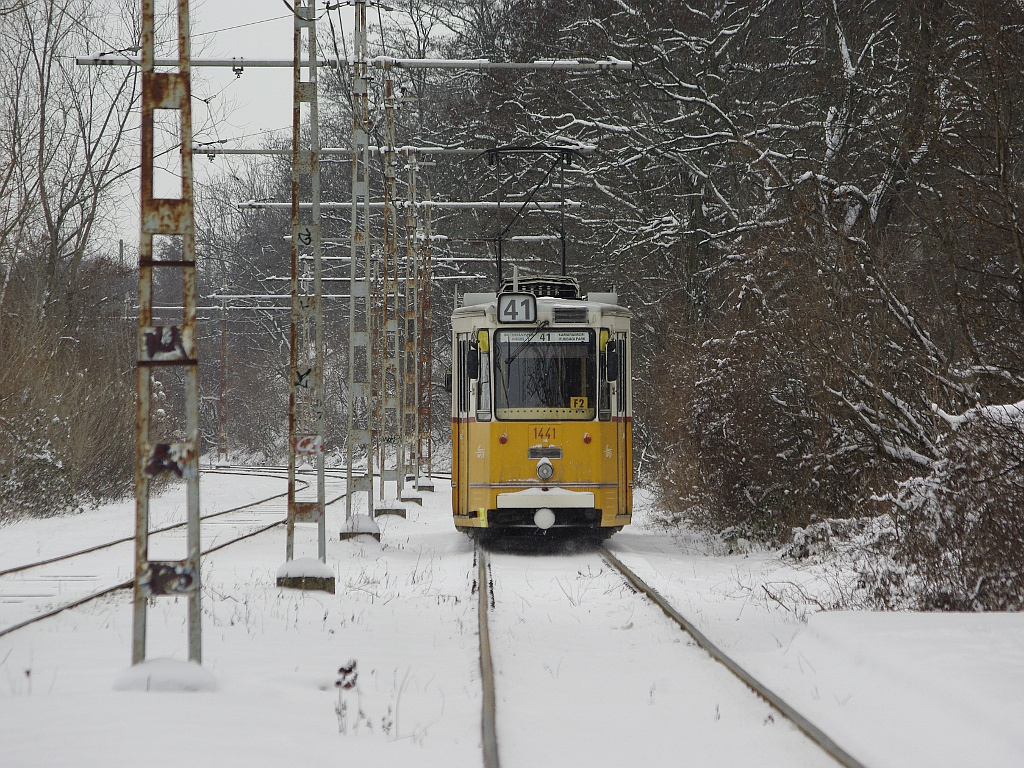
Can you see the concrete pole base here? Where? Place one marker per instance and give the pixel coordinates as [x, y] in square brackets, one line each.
[308, 583]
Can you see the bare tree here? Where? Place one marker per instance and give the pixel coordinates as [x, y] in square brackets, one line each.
[65, 390]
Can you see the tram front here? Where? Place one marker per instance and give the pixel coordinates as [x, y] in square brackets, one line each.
[541, 414]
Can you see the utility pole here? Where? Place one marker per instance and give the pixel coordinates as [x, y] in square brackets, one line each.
[306, 363]
[166, 347]
[222, 386]
[387, 334]
[409, 430]
[425, 357]
[360, 317]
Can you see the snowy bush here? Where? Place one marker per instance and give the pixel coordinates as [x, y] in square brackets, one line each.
[66, 393]
[751, 442]
[954, 539]
[860, 553]
[34, 478]
[961, 525]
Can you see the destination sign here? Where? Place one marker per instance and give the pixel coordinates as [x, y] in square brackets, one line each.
[544, 337]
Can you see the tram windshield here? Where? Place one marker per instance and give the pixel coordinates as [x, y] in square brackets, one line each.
[542, 374]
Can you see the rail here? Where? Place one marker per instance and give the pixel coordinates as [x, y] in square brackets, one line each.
[808, 728]
[126, 539]
[489, 718]
[128, 583]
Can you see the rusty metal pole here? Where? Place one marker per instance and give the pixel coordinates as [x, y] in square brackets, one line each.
[306, 362]
[166, 346]
[360, 360]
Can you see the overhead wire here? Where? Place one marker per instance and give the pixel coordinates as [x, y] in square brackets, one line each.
[343, 72]
[240, 26]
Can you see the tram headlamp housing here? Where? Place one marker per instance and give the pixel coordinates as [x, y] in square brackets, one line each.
[545, 469]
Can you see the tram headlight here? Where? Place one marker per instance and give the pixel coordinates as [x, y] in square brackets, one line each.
[545, 469]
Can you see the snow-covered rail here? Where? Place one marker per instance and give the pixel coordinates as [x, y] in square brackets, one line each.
[124, 539]
[33, 591]
[489, 718]
[575, 652]
[814, 733]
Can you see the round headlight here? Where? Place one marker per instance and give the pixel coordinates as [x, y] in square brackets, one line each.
[544, 469]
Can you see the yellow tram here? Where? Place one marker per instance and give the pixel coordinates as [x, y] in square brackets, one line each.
[541, 410]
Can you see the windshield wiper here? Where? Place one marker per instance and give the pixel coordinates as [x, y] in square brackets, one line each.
[544, 324]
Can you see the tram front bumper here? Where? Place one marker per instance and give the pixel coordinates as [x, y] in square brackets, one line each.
[550, 498]
[544, 509]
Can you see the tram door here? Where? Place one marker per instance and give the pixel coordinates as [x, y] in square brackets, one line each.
[623, 426]
[463, 403]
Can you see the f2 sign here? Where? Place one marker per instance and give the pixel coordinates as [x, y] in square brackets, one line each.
[517, 308]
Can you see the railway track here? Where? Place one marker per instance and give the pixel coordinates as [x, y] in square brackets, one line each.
[597, 573]
[31, 592]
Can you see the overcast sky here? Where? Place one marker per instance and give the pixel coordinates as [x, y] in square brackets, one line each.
[240, 109]
[261, 99]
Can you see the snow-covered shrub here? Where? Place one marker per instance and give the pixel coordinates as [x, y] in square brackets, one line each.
[861, 553]
[751, 440]
[66, 392]
[824, 538]
[962, 524]
[724, 436]
[34, 478]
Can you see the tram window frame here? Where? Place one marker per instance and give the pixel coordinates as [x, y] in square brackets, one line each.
[623, 373]
[604, 385]
[464, 382]
[483, 388]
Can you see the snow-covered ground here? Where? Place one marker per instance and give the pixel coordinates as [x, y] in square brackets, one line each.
[892, 689]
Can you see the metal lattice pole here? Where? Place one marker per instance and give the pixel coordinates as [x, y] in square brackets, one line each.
[222, 386]
[162, 347]
[389, 393]
[410, 329]
[425, 362]
[306, 366]
[360, 361]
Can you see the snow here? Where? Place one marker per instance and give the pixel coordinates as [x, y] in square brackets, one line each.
[166, 675]
[362, 524]
[588, 674]
[1005, 415]
[894, 689]
[307, 567]
[654, 688]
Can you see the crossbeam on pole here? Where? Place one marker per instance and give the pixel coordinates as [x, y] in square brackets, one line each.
[567, 65]
[407, 151]
[542, 205]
